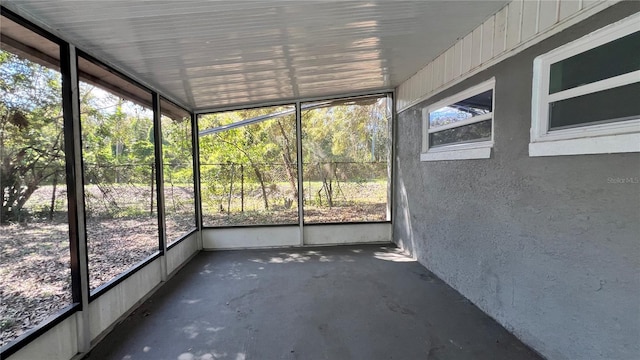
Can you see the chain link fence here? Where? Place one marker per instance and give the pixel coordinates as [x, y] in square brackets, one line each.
[232, 188]
[345, 191]
[229, 192]
[120, 190]
[252, 194]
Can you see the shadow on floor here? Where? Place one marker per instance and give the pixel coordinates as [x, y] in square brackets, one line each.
[348, 302]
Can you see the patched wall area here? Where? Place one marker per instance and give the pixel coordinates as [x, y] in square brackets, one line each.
[548, 246]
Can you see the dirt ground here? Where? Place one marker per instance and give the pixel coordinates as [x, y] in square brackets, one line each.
[35, 275]
[312, 215]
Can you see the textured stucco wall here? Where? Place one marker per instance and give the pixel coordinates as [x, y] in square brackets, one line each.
[548, 246]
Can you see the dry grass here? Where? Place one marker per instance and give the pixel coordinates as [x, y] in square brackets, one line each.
[35, 275]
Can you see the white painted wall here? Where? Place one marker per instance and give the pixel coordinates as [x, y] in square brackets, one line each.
[517, 26]
[182, 252]
[59, 343]
[110, 306]
[339, 234]
[250, 237]
[289, 236]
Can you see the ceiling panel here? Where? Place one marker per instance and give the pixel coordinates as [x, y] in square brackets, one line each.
[222, 53]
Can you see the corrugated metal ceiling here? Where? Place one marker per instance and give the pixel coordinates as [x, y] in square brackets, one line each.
[218, 53]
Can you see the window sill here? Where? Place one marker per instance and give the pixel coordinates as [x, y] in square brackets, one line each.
[475, 151]
[622, 143]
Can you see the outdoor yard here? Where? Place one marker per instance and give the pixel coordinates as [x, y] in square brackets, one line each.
[35, 276]
[353, 201]
[122, 230]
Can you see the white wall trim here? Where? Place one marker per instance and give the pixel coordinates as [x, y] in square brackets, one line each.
[624, 143]
[469, 121]
[483, 152]
[409, 93]
[586, 138]
[469, 150]
[620, 80]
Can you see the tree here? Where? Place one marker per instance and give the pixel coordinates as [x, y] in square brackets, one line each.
[339, 141]
[344, 142]
[31, 136]
[261, 147]
[116, 132]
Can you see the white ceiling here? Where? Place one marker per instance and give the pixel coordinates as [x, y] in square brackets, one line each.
[220, 53]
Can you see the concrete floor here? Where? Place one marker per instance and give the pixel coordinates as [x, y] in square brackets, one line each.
[350, 302]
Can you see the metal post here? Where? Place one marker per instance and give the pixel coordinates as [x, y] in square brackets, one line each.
[241, 188]
[157, 140]
[75, 193]
[300, 168]
[195, 143]
[152, 179]
[391, 186]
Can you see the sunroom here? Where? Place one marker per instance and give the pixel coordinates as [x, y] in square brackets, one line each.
[343, 180]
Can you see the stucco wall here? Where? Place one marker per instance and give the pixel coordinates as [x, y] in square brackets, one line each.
[548, 246]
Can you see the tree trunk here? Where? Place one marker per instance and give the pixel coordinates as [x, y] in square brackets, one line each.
[288, 162]
[241, 188]
[233, 171]
[255, 169]
[153, 176]
[53, 196]
[264, 190]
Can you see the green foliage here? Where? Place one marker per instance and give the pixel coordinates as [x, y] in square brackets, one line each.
[31, 139]
[346, 133]
[252, 146]
[118, 144]
[339, 144]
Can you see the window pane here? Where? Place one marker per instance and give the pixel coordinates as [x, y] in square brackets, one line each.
[35, 270]
[615, 104]
[249, 173]
[178, 171]
[615, 58]
[119, 173]
[480, 131]
[476, 105]
[346, 157]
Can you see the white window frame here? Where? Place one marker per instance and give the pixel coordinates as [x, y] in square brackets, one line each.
[614, 137]
[463, 151]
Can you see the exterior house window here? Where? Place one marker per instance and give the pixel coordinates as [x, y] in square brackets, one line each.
[461, 126]
[586, 94]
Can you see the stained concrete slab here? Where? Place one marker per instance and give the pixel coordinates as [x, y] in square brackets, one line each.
[348, 302]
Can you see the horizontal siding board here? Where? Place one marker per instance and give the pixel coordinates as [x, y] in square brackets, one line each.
[487, 39]
[514, 23]
[438, 72]
[500, 32]
[548, 14]
[422, 83]
[457, 59]
[448, 63]
[429, 79]
[589, 3]
[529, 19]
[476, 47]
[512, 27]
[412, 87]
[467, 43]
[568, 8]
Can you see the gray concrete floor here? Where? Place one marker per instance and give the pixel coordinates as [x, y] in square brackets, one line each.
[350, 302]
